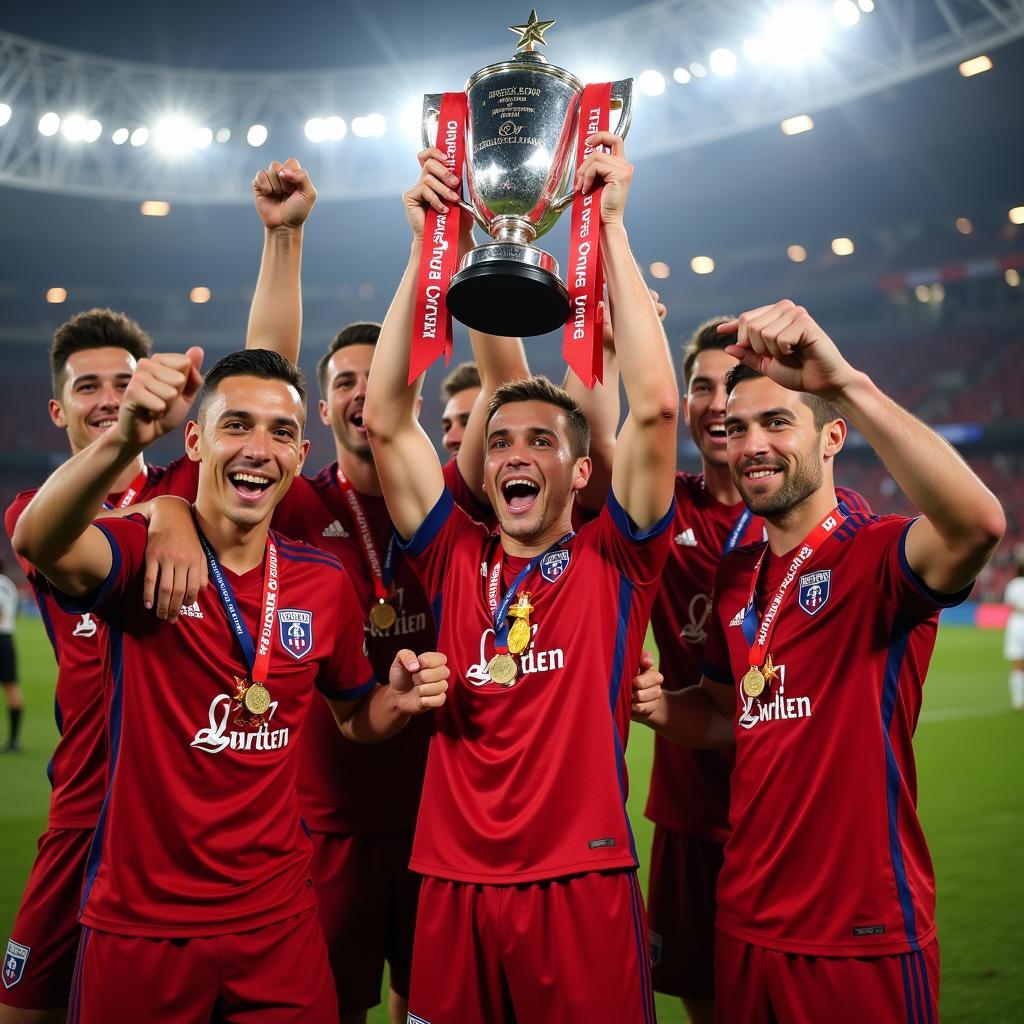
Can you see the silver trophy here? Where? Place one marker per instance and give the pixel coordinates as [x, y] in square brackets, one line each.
[521, 137]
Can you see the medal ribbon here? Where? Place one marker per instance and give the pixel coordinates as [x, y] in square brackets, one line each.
[131, 495]
[737, 531]
[500, 612]
[582, 336]
[758, 633]
[432, 323]
[257, 657]
[382, 575]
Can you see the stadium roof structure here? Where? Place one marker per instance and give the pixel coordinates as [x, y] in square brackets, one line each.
[197, 121]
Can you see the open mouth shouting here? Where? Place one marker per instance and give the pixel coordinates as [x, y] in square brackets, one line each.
[248, 485]
[356, 420]
[716, 431]
[520, 493]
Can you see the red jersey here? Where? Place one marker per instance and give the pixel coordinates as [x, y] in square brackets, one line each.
[466, 498]
[387, 775]
[200, 831]
[690, 788]
[827, 856]
[78, 768]
[527, 782]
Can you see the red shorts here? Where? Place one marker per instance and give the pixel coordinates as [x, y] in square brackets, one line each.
[40, 956]
[762, 986]
[560, 952]
[271, 975]
[681, 913]
[368, 901]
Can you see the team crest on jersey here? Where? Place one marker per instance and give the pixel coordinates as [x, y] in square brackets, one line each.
[815, 588]
[553, 564]
[14, 962]
[296, 627]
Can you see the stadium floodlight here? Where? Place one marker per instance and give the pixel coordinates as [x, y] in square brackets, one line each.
[702, 264]
[372, 126]
[722, 62]
[174, 135]
[199, 295]
[223, 135]
[49, 123]
[698, 70]
[651, 82]
[73, 127]
[93, 130]
[256, 135]
[795, 33]
[119, 136]
[976, 66]
[5, 113]
[56, 295]
[682, 76]
[846, 12]
[335, 128]
[140, 136]
[1017, 215]
[797, 125]
[202, 137]
[155, 208]
[938, 292]
[964, 226]
[843, 246]
[314, 130]
[923, 293]
[867, 6]
[1012, 277]
[797, 253]
[660, 270]
[755, 50]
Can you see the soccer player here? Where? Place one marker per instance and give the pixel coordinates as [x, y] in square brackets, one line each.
[530, 909]
[9, 661]
[198, 898]
[459, 390]
[818, 644]
[688, 800]
[1013, 638]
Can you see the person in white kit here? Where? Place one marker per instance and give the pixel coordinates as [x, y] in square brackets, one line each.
[8, 661]
[1013, 641]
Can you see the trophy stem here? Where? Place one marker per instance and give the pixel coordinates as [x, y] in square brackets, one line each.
[512, 229]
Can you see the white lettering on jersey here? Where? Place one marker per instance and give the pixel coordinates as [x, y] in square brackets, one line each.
[87, 627]
[700, 608]
[193, 611]
[777, 708]
[216, 738]
[530, 661]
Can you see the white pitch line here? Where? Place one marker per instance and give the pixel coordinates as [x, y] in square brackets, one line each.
[952, 714]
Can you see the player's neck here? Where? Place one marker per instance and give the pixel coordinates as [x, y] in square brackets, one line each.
[719, 484]
[540, 544]
[237, 548]
[361, 471]
[785, 532]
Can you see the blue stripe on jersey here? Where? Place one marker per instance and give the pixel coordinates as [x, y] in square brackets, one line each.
[922, 966]
[915, 979]
[907, 995]
[352, 692]
[629, 529]
[939, 600]
[305, 553]
[44, 614]
[614, 686]
[429, 528]
[893, 779]
[715, 674]
[115, 639]
[642, 949]
[435, 607]
[75, 1001]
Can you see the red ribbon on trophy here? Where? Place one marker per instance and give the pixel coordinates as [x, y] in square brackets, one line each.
[432, 326]
[582, 337]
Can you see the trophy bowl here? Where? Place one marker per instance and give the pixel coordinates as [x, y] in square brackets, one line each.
[523, 120]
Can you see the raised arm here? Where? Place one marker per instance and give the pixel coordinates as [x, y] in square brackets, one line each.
[962, 519]
[643, 473]
[408, 466]
[55, 532]
[284, 197]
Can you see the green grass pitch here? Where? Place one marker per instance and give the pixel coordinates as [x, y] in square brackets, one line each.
[969, 750]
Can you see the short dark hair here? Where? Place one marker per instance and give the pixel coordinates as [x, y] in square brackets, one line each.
[823, 410]
[94, 328]
[539, 389]
[250, 362]
[704, 337]
[362, 332]
[463, 377]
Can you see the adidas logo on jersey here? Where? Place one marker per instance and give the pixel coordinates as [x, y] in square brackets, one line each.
[192, 611]
[335, 529]
[687, 539]
[737, 619]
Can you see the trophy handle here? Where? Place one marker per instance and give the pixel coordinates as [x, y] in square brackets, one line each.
[431, 113]
[622, 101]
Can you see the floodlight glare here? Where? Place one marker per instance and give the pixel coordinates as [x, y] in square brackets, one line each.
[202, 137]
[370, 126]
[334, 128]
[120, 136]
[314, 130]
[223, 135]
[174, 135]
[56, 295]
[682, 76]
[702, 264]
[698, 70]
[797, 125]
[256, 135]
[93, 130]
[846, 12]
[797, 253]
[140, 136]
[660, 270]
[49, 123]
[867, 6]
[5, 114]
[1012, 277]
[722, 62]
[842, 246]
[755, 50]
[795, 33]
[73, 128]
[651, 82]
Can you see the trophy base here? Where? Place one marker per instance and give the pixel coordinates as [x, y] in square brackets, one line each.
[508, 297]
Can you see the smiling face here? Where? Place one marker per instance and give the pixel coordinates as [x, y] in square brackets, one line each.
[249, 440]
[341, 408]
[704, 404]
[94, 381]
[455, 417]
[776, 454]
[530, 472]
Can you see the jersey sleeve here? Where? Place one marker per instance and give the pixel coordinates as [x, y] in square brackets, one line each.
[347, 674]
[715, 661]
[464, 495]
[639, 554]
[180, 478]
[853, 500]
[11, 517]
[431, 548]
[121, 591]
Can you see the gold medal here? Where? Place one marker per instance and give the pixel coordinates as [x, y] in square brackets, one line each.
[502, 669]
[383, 615]
[753, 683]
[257, 699]
[519, 634]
